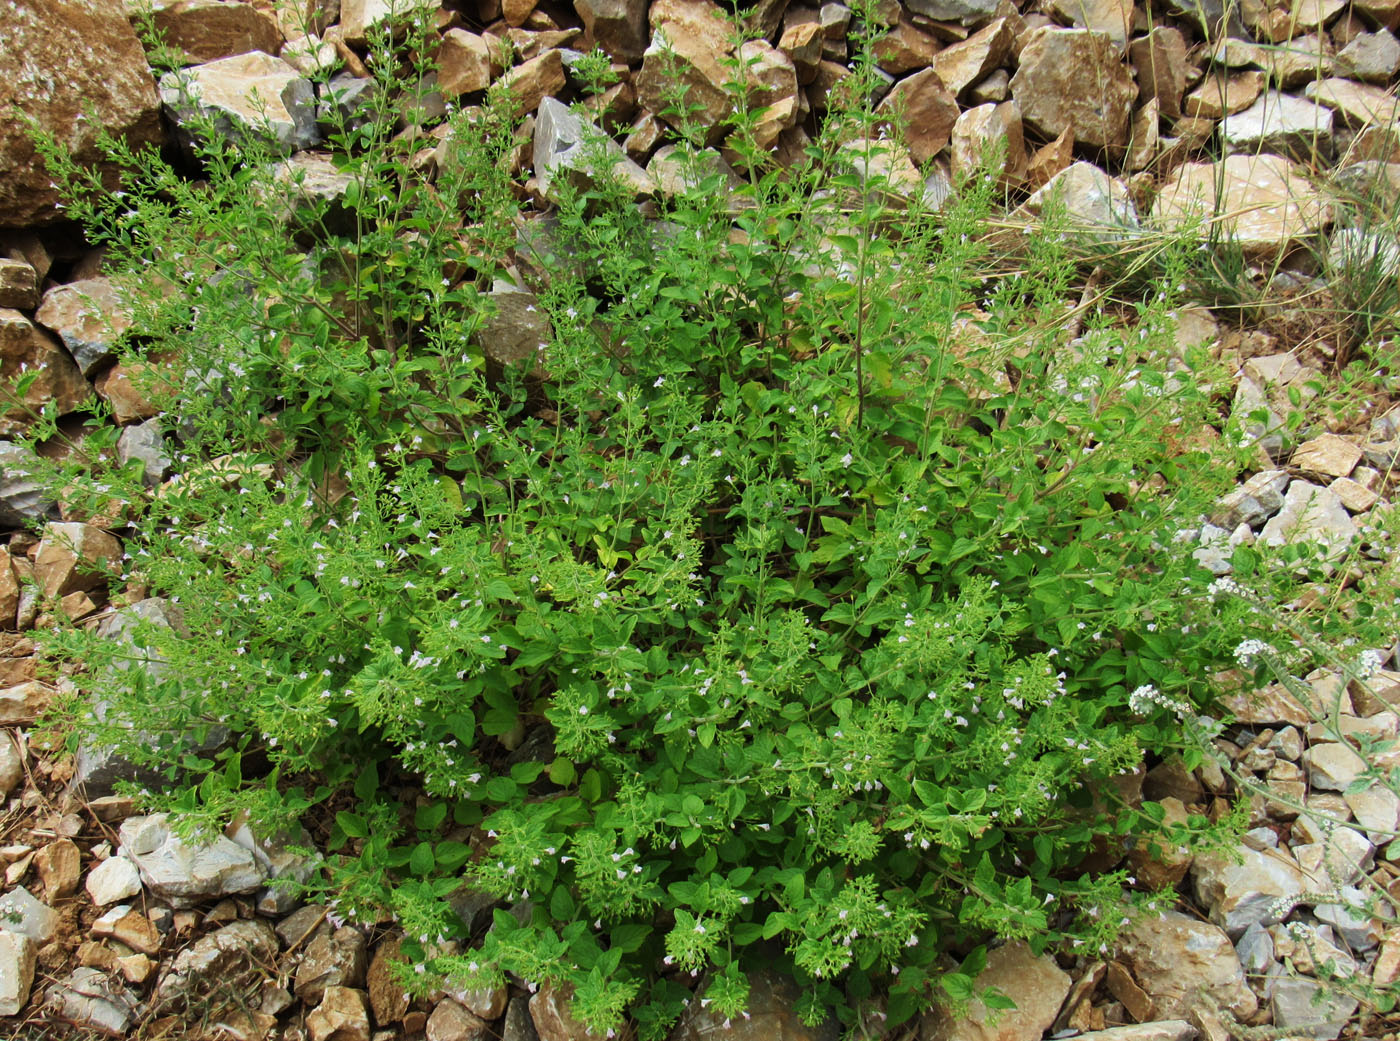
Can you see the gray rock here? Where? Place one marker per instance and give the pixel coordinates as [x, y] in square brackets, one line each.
[1295, 1011]
[21, 496]
[1182, 962]
[1256, 890]
[1357, 929]
[21, 912]
[11, 762]
[88, 316]
[308, 191]
[18, 955]
[346, 101]
[1253, 502]
[1310, 514]
[515, 330]
[1094, 204]
[1255, 949]
[1250, 401]
[332, 959]
[247, 96]
[617, 26]
[1161, 1030]
[1332, 766]
[965, 12]
[1370, 57]
[90, 998]
[116, 878]
[1280, 123]
[144, 443]
[1361, 253]
[771, 1016]
[183, 872]
[231, 957]
[519, 1026]
[280, 863]
[568, 148]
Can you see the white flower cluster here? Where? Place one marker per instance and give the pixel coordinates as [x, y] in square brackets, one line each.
[1223, 587]
[1249, 650]
[1368, 663]
[1146, 696]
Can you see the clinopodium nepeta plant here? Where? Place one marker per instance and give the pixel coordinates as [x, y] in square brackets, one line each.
[783, 610]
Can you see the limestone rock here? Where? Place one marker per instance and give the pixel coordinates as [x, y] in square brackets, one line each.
[906, 48]
[342, 1015]
[1295, 1009]
[19, 284]
[181, 871]
[18, 956]
[90, 998]
[1280, 123]
[22, 913]
[70, 556]
[1332, 766]
[1180, 961]
[246, 96]
[89, 316]
[568, 148]
[11, 763]
[1160, 61]
[60, 868]
[230, 957]
[1075, 79]
[26, 348]
[58, 56]
[516, 330]
[144, 443]
[549, 1010]
[965, 12]
[451, 1022]
[21, 496]
[1036, 984]
[207, 30]
[116, 878]
[1328, 456]
[1113, 18]
[617, 26]
[1370, 57]
[928, 111]
[331, 960]
[518, 1025]
[1310, 514]
[1267, 202]
[1355, 104]
[1218, 95]
[1094, 204]
[358, 18]
[689, 45]
[130, 927]
[1237, 894]
[771, 1017]
[465, 63]
[387, 999]
[24, 702]
[533, 81]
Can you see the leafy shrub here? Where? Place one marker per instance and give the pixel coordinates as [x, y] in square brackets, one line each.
[784, 609]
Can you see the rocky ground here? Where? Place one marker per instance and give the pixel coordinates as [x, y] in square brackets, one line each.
[114, 925]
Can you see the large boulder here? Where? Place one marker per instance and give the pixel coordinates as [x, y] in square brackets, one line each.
[59, 56]
[1075, 79]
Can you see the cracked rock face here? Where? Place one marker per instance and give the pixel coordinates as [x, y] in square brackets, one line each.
[182, 871]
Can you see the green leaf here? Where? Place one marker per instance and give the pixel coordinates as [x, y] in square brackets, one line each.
[430, 816]
[367, 783]
[352, 824]
[421, 860]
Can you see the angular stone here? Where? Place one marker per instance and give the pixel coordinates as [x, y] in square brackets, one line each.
[771, 1017]
[342, 1015]
[1327, 456]
[1155, 863]
[451, 1022]
[530, 83]
[89, 316]
[1310, 514]
[1092, 203]
[331, 960]
[1295, 1011]
[1036, 984]
[1357, 498]
[465, 63]
[1349, 920]
[1075, 79]
[60, 868]
[60, 55]
[927, 111]
[1113, 18]
[11, 763]
[985, 130]
[183, 872]
[229, 958]
[1370, 57]
[18, 956]
[1254, 890]
[1283, 124]
[22, 497]
[1180, 962]
[515, 330]
[26, 348]
[1160, 61]
[70, 558]
[23, 914]
[89, 998]
[1049, 161]
[120, 388]
[19, 284]
[1266, 201]
[130, 927]
[1218, 95]
[964, 12]
[688, 50]
[617, 26]
[567, 148]
[116, 878]
[387, 999]
[248, 96]
[360, 18]
[1355, 104]
[207, 30]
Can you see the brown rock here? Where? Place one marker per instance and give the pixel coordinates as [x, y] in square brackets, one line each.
[387, 999]
[926, 109]
[24, 703]
[358, 17]
[129, 927]
[26, 348]
[617, 26]
[906, 48]
[517, 12]
[1181, 962]
[1145, 139]
[483, 1002]
[549, 1010]
[1327, 456]
[984, 129]
[58, 56]
[464, 62]
[689, 46]
[802, 43]
[207, 30]
[769, 75]
[1160, 61]
[1219, 95]
[1050, 161]
[342, 1015]
[60, 868]
[1265, 201]
[1155, 863]
[9, 591]
[119, 387]
[1356, 104]
[1036, 984]
[1075, 79]
[451, 1022]
[968, 61]
[331, 960]
[1123, 987]
[88, 316]
[540, 77]
[19, 285]
[68, 553]
[1113, 18]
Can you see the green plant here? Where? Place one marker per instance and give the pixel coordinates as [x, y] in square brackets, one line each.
[784, 607]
